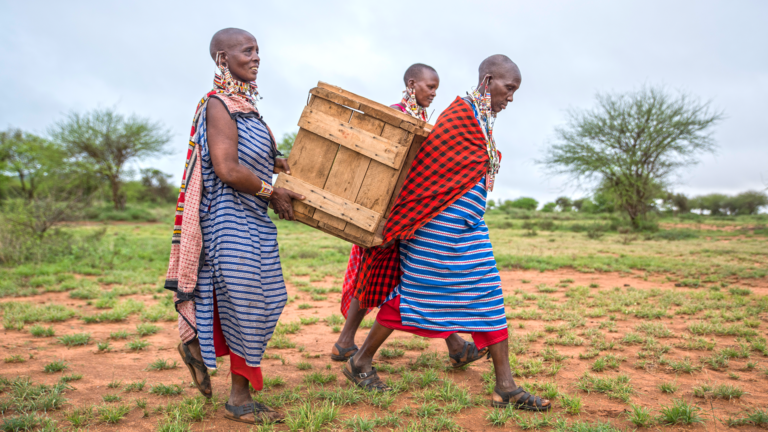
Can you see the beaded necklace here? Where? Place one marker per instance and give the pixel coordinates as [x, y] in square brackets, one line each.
[481, 105]
[411, 106]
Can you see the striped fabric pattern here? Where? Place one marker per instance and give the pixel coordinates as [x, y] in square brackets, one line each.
[242, 263]
[450, 280]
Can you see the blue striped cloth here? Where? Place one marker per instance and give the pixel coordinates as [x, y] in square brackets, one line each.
[450, 281]
[242, 264]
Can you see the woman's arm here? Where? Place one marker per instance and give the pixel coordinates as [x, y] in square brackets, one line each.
[222, 144]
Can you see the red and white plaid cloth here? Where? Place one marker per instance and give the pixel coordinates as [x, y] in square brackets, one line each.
[350, 278]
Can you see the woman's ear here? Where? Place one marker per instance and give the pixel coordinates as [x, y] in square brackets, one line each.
[411, 83]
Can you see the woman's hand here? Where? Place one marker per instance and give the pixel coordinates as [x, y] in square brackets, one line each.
[281, 165]
[280, 201]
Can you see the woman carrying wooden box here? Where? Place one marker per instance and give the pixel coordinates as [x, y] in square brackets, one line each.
[421, 83]
[436, 273]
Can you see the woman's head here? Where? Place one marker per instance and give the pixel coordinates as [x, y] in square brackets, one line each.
[501, 77]
[238, 51]
[424, 81]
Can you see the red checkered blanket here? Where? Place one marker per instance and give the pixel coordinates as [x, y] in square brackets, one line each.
[450, 162]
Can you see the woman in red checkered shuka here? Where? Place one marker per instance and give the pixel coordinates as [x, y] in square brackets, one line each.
[421, 83]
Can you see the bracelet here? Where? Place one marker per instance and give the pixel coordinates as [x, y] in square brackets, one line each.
[265, 191]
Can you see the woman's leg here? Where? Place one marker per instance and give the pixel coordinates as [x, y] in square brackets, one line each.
[354, 317]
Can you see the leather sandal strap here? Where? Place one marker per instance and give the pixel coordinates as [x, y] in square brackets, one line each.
[189, 359]
[343, 351]
[239, 411]
[460, 355]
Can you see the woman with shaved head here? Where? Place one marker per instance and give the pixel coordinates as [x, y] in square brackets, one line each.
[225, 267]
[436, 275]
[421, 83]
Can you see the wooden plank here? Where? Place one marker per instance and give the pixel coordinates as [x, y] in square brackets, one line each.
[375, 147]
[380, 180]
[348, 170]
[304, 218]
[330, 203]
[373, 106]
[364, 241]
[313, 155]
[335, 97]
[415, 146]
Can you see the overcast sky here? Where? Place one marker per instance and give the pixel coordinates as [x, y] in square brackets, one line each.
[151, 58]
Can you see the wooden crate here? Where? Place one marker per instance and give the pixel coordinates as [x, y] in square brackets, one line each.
[349, 160]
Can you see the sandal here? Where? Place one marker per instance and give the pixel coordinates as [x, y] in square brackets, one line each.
[366, 381]
[344, 353]
[192, 364]
[468, 355]
[262, 414]
[527, 401]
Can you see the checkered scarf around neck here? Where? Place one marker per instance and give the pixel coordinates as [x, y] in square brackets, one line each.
[187, 240]
[451, 161]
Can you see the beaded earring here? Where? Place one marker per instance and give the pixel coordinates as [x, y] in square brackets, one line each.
[227, 81]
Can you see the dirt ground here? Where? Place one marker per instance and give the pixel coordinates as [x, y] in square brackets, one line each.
[99, 369]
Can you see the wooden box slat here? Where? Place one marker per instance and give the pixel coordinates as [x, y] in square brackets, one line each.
[351, 156]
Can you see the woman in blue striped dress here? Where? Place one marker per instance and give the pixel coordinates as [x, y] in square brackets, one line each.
[450, 281]
[240, 291]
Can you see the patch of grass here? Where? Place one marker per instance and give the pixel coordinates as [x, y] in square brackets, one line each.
[120, 334]
[609, 361]
[319, 378]
[135, 386]
[39, 331]
[740, 291]
[390, 353]
[570, 404]
[669, 387]
[111, 398]
[658, 330]
[16, 358]
[640, 416]
[80, 417]
[104, 346]
[716, 361]
[287, 328]
[114, 384]
[305, 306]
[113, 413]
[146, 329]
[55, 366]
[414, 343]
[166, 390]
[280, 342]
[162, 364]
[137, 345]
[681, 366]
[308, 320]
[270, 382]
[303, 365]
[17, 314]
[334, 320]
[617, 387]
[680, 412]
[311, 417]
[71, 377]
[757, 417]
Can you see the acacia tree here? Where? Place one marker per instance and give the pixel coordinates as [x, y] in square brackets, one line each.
[31, 159]
[108, 140]
[632, 143]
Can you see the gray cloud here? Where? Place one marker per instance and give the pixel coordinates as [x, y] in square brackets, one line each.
[150, 58]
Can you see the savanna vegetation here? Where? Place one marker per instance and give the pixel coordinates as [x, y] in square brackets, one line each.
[657, 320]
